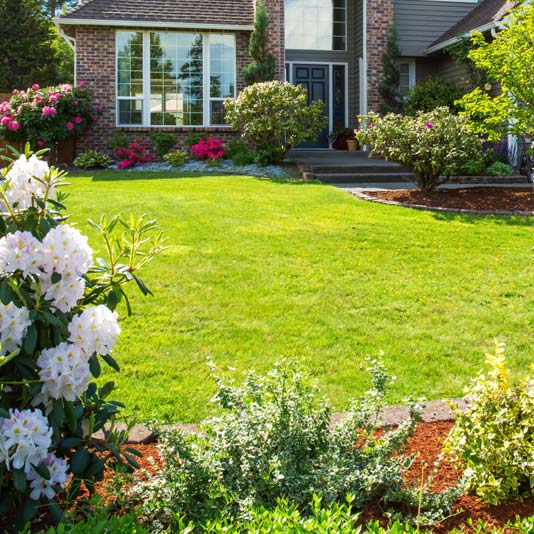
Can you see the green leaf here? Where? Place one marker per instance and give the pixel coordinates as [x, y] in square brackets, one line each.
[55, 511]
[111, 362]
[43, 471]
[19, 480]
[141, 285]
[70, 443]
[29, 509]
[52, 319]
[94, 366]
[70, 413]
[58, 413]
[106, 389]
[30, 341]
[80, 461]
[56, 278]
[131, 461]
[4, 414]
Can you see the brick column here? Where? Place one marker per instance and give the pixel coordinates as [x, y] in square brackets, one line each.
[379, 20]
[275, 10]
[95, 65]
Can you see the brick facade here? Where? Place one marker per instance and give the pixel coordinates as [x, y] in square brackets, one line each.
[275, 10]
[379, 20]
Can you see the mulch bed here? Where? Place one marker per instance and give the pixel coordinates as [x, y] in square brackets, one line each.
[483, 199]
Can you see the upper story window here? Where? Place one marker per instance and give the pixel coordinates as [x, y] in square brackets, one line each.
[174, 78]
[316, 24]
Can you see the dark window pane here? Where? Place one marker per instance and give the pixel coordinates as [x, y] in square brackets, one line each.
[131, 112]
[339, 43]
[217, 112]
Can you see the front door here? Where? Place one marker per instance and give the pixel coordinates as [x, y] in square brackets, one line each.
[314, 78]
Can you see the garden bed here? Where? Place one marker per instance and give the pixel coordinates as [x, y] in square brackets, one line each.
[427, 445]
[499, 200]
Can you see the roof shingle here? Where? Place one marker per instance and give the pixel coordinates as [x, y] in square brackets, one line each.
[486, 12]
[217, 12]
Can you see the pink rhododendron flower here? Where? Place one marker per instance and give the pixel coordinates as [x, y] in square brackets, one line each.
[4, 106]
[40, 142]
[94, 117]
[69, 125]
[13, 126]
[67, 88]
[54, 97]
[211, 149]
[75, 102]
[35, 87]
[77, 119]
[49, 111]
[6, 120]
[81, 83]
[15, 91]
[39, 99]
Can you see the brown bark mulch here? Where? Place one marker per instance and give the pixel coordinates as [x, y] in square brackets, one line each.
[493, 199]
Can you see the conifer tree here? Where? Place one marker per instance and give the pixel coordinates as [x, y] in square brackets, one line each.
[389, 86]
[261, 68]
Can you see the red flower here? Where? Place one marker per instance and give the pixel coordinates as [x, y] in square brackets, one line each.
[69, 126]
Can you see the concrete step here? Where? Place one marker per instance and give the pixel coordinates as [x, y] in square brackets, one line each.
[364, 168]
[361, 178]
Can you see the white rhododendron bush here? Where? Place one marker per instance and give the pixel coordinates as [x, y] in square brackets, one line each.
[57, 324]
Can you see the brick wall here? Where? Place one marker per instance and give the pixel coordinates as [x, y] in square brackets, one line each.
[379, 19]
[275, 10]
[95, 65]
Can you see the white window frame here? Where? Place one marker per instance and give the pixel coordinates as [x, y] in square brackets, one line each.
[411, 71]
[206, 80]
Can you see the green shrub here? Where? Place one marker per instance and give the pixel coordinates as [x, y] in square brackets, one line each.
[162, 142]
[274, 116]
[192, 138]
[471, 167]
[100, 523]
[238, 151]
[273, 441]
[176, 158]
[493, 439]
[498, 168]
[431, 145]
[433, 93]
[91, 159]
[119, 140]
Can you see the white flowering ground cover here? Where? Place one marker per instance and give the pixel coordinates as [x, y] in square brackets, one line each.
[57, 322]
[260, 269]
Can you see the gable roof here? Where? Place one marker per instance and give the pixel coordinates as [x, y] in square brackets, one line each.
[484, 16]
[182, 13]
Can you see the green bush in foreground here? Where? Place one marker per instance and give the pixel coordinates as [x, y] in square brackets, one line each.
[498, 168]
[92, 159]
[493, 439]
[274, 441]
[176, 158]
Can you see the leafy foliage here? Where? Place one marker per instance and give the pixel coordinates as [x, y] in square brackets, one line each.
[92, 159]
[389, 86]
[493, 439]
[459, 51]
[273, 442]
[136, 153]
[433, 93]
[261, 68]
[274, 116]
[498, 168]
[162, 142]
[238, 151]
[432, 145]
[176, 158]
[507, 59]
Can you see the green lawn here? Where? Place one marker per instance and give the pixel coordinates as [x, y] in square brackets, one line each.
[259, 270]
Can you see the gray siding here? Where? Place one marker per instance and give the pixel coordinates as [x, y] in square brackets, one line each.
[450, 70]
[421, 22]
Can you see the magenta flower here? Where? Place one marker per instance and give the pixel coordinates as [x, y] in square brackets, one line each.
[35, 87]
[371, 125]
[67, 88]
[4, 106]
[40, 142]
[81, 83]
[77, 119]
[75, 102]
[15, 91]
[69, 125]
[49, 111]
[4, 121]
[429, 125]
[94, 117]
[13, 126]
[54, 97]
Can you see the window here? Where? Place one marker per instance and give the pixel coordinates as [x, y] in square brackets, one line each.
[316, 24]
[407, 77]
[174, 78]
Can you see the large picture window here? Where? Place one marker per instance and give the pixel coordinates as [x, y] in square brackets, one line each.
[174, 78]
[316, 24]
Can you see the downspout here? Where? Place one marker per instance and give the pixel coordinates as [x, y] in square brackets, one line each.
[363, 103]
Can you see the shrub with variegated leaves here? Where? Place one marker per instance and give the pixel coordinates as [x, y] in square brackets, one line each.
[57, 324]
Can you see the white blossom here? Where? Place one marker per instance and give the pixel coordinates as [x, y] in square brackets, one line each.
[65, 294]
[64, 371]
[41, 487]
[22, 182]
[64, 250]
[14, 324]
[19, 251]
[25, 438]
[96, 329]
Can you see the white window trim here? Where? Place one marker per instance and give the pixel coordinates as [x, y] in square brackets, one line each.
[206, 98]
[411, 70]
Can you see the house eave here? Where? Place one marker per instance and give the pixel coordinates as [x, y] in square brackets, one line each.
[59, 21]
[454, 40]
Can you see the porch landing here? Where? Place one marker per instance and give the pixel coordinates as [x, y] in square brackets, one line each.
[344, 167]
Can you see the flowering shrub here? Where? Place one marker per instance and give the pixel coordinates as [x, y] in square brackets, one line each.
[493, 439]
[46, 116]
[432, 145]
[57, 323]
[209, 149]
[274, 116]
[136, 153]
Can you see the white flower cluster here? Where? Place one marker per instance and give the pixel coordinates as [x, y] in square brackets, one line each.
[58, 476]
[64, 371]
[25, 438]
[14, 324]
[24, 181]
[95, 330]
[64, 251]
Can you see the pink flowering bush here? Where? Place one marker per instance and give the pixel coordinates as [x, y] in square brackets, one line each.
[208, 149]
[43, 117]
[58, 324]
[136, 153]
[432, 145]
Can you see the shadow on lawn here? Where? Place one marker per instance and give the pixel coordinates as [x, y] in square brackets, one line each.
[511, 220]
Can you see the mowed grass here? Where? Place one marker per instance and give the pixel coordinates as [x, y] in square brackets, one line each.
[259, 270]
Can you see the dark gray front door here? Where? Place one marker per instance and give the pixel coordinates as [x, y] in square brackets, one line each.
[314, 78]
